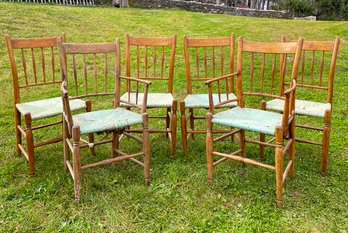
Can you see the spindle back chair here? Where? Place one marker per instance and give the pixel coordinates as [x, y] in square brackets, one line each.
[209, 58]
[280, 126]
[35, 69]
[315, 92]
[112, 119]
[153, 59]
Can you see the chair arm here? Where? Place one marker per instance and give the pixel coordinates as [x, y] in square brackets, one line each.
[208, 82]
[292, 89]
[146, 82]
[63, 89]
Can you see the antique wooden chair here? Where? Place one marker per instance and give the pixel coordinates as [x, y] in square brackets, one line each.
[28, 78]
[153, 59]
[316, 75]
[210, 58]
[94, 71]
[280, 126]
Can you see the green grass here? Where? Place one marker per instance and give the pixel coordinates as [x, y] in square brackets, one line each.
[114, 197]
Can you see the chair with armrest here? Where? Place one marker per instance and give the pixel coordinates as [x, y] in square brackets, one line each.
[280, 127]
[152, 58]
[93, 71]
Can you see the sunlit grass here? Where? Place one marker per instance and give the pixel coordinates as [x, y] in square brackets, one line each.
[114, 198]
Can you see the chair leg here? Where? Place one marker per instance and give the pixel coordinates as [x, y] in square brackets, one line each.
[242, 143]
[183, 127]
[146, 149]
[18, 133]
[115, 143]
[262, 147]
[65, 144]
[326, 140]
[279, 165]
[173, 129]
[30, 144]
[292, 148]
[209, 148]
[90, 136]
[77, 162]
[262, 136]
[167, 121]
[192, 124]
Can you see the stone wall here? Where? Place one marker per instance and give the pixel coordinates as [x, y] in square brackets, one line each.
[207, 8]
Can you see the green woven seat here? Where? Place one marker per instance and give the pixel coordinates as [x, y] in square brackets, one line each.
[302, 107]
[154, 100]
[48, 107]
[249, 119]
[202, 100]
[106, 120]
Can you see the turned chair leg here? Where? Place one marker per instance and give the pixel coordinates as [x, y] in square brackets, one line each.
[18, 133]
[30, 144]
[262, 136]
[173, 129]
[167, 121]
[115, 143]
[209, 148]
[192, 124]
[146, 148]
[91, 135]
[326, 140]
[279, 164]
[292, 148]
[183, 127]
[77, 162]
[65, 144]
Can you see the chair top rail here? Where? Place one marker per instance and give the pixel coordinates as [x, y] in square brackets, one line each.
[317, 45]
[153, 41]
[25, 43]
[208, 42]
[270, 47]
[90, 48]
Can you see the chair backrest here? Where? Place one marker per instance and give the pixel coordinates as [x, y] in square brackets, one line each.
[289, 54]
[151, 58]
[88, 70]
[210, 58]
[317, 66]
[262, 66]
[33, 62]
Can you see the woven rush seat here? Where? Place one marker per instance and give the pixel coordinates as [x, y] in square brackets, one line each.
[106, 120]
[48, 107]
[249, 119]
[302, 107]
[154, 100]
[202, 100]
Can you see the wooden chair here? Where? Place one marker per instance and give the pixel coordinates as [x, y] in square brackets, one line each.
[153, 59]
[316, 75]
[280, 126]
[210, 58]
[93, 71]
[28, 77]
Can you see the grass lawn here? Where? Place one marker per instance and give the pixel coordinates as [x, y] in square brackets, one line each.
[114, 198]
